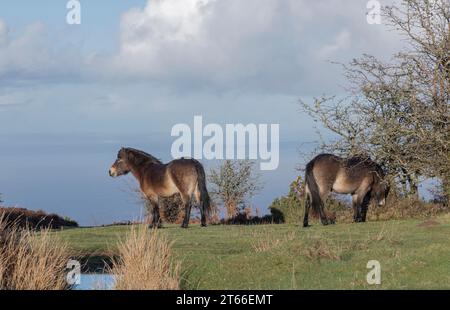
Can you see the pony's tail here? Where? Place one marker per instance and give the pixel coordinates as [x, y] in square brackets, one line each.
[201, 183]
[315, 200]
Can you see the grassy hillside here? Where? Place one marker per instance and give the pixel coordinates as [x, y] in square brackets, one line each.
[412, 253]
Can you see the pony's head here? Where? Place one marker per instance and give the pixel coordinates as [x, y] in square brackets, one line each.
[380, 192]
[121, 165]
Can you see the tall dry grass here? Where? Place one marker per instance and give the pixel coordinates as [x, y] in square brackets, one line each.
[144, 262]
[31, 260]
[396, 208]
[264, 240]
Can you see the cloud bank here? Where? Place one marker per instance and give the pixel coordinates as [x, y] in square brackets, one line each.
[269, 45]
[253, 45]
[34, 55]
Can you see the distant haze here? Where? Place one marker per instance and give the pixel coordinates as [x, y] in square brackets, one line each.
[68, 175]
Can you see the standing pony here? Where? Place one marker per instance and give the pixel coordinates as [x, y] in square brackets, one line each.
[362, 178]
[183, 176]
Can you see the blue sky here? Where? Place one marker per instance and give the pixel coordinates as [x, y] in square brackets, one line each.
[135, 68]
[100, 18]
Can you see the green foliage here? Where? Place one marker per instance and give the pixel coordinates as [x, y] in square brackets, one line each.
[233, 184]
[289, 208]
[70, 222]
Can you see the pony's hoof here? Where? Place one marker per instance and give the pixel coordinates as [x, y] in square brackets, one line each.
[204, 225]
[325, 222]
[154, 226]
[184, 226]
[306, 226]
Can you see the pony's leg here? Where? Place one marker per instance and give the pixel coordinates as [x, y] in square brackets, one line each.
[365, 206]
[363, 212]
[187, 211]
[201, 206]
[360, 204]
[156, 221]
[322, 213]
[203, 215]
[356, 208]
[323, 217]
[307, 207]
[156, 216]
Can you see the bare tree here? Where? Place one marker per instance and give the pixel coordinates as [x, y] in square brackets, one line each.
[398, 112]
[234, 183]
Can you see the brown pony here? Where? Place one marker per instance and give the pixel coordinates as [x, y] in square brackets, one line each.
[183, 176]
[362, 178]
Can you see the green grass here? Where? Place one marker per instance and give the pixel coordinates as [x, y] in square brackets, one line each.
[412, 256]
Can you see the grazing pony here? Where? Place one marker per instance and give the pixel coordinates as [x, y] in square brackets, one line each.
[362, 178]
[183, 176]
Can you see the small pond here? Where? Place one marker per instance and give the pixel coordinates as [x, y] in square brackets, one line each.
[95, 281]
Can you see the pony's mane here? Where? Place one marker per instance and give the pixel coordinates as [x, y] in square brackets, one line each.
[358, 160]
[144, 155]
[367, 162]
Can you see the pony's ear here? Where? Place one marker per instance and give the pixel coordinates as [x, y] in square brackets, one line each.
[129, 154]
[122, 152]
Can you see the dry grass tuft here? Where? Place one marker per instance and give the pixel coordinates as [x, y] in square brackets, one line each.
[388, 233]
[145, 262]
[265, 244]
[264, 241]
[319, 247]
[31, 260]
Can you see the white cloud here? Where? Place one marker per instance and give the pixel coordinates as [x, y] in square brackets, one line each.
[270, 45]
[3, 33]
[254, 45]
[13, 100]
[342, 41]
[161, 20]
[32, 54]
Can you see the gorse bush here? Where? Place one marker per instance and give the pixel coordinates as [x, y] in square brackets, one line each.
[406, 207]
[25, 218]
[396, 207]
[31, 260]
[171, 209]
[289, 208]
